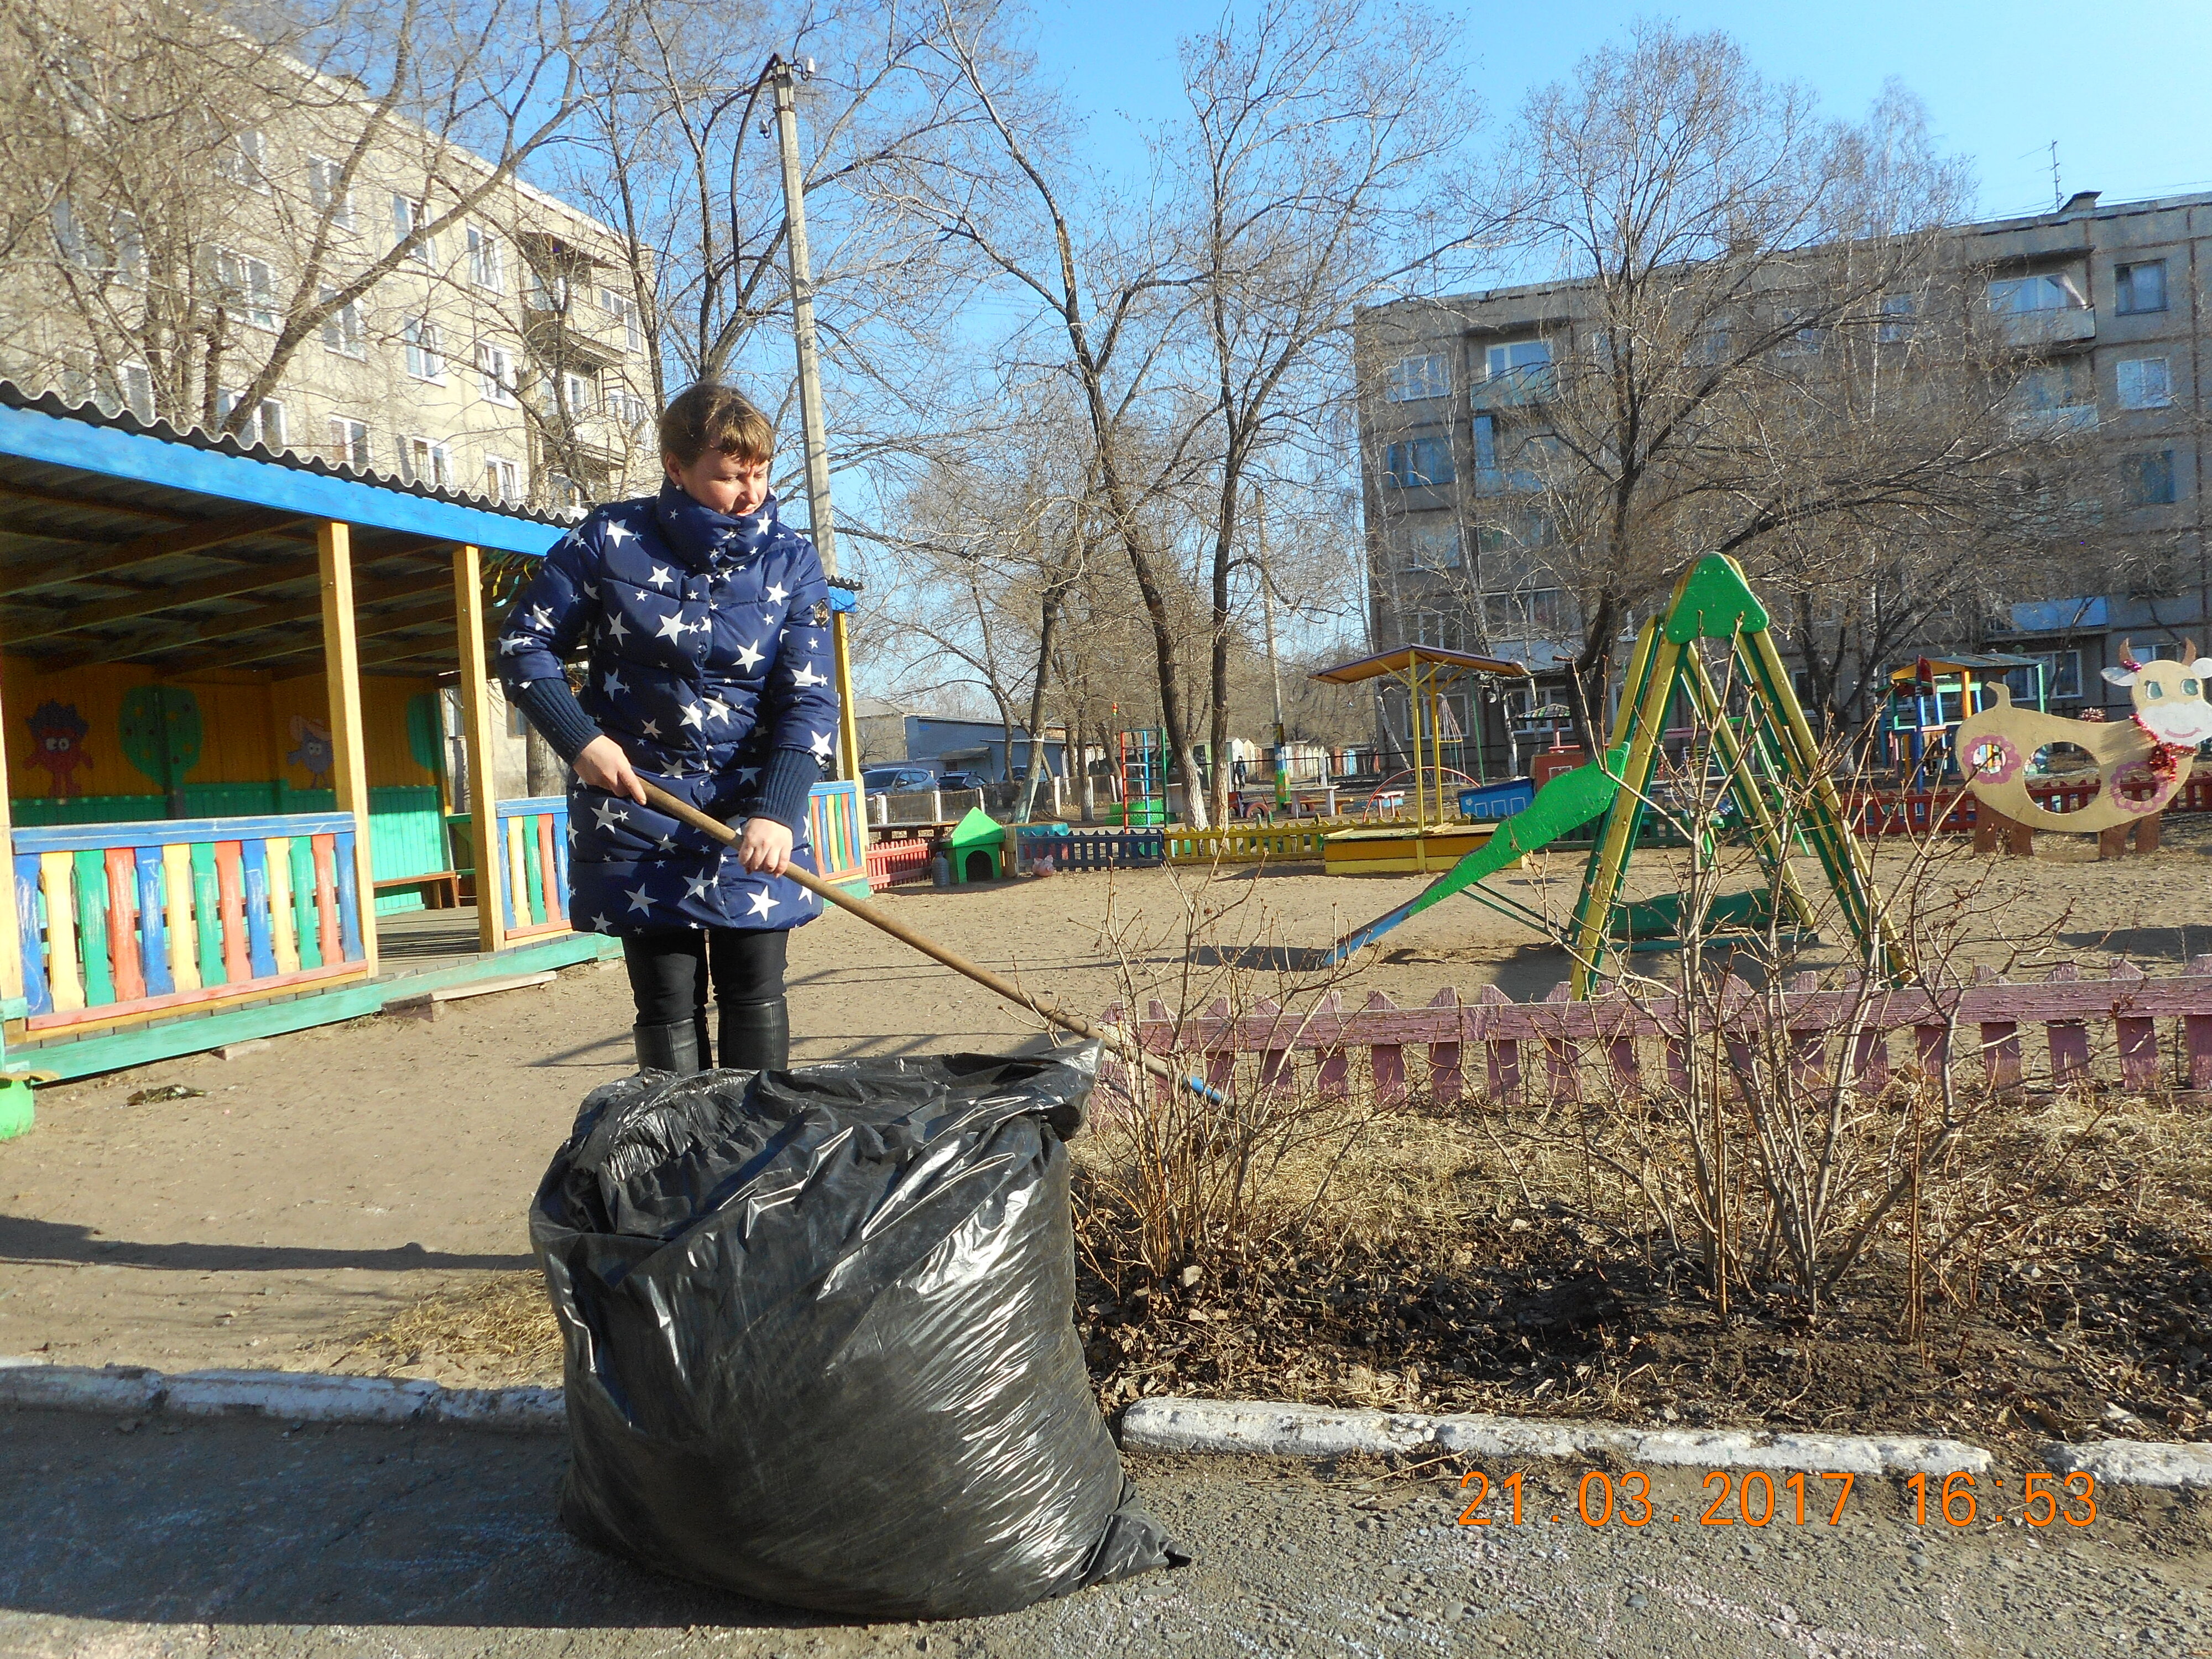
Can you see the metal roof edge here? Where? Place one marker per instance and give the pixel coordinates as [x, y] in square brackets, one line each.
[121, 446]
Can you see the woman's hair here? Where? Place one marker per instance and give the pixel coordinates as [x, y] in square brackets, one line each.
[720, 417]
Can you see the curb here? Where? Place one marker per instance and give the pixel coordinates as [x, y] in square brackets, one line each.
[291, 1396]
[1255, 1428]
[1162, 1424]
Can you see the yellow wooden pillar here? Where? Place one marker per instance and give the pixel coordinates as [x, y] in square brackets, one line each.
[477, 741]
[341, 674]
[11, 951]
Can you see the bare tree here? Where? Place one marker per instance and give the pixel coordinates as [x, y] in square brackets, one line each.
[1769, 355]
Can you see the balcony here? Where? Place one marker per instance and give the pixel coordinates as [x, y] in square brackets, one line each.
[1531, 383]
[2053, 325]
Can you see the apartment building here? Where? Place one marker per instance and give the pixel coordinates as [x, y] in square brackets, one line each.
[501, 355]
[2107, 300]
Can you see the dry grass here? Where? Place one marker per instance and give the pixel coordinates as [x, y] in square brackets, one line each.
[493, 1331]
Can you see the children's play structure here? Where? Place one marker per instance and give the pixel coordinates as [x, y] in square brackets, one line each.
[1769, 771]
[230, 693]
[2136, 766]
[1929, 697]
[1438, 837]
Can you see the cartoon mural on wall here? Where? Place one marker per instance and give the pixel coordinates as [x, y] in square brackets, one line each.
[57, 734]
[311, 752]
[2141, 764]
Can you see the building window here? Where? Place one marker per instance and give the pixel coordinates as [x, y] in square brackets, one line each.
[426, 462]
[138, 388]
[568, 496]
[1418, 461]
[621, 404]
[502, 479]
[2144, 382]
[2062, 677]
[575, 394]
[1898, 311]
[1486, 446]
[1432, 548]
[1516, 371]
[2147, 479]
[487, 260]
[2063, 383]
[349, 442]
[1800, 341]
[2139, 286]
[249, 288]
[495, 369]
[425, 360]
[2052, 291]
[549, 291]
[408, 216]
[240, 160]
[1411, 378]
[332, 203]
[624, 311]
[265, 426]
[1445, 630]
[343, 332]
[130, 249]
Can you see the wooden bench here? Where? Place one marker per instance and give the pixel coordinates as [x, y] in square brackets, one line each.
[440, 889]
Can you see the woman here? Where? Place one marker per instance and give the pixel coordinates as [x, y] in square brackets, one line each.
[706, 623]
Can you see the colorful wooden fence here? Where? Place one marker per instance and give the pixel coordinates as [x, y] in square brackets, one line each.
[894, 863]
[1910, 812]
[1272, 844]
[1602, 1049]
[534, 864]
[837, 829]
[1100, 850]
[123, 921]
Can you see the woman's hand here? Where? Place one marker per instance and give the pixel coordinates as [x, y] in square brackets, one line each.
[602, 764]
[765, 845]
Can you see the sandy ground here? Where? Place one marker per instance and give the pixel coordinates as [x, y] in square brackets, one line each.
[321, 1184]
[243, 1540]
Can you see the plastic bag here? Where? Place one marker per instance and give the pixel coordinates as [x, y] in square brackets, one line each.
[819, 1343]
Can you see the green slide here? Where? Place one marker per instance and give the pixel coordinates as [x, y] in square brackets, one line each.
[1561, 807]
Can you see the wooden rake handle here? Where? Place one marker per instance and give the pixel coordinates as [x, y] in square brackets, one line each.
[1122, 1044]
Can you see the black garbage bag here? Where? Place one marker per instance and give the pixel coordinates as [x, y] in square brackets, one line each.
[819, 1342]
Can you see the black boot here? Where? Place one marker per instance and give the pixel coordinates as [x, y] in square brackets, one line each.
[672, 1048]
[756, 1035]
[704, 1038]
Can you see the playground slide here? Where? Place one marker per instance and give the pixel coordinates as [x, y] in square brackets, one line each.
[1562, 807]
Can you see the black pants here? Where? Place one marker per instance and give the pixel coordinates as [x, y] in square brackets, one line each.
[669, 969]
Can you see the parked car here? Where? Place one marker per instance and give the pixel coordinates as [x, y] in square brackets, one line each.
[886, 780]
[962, 780]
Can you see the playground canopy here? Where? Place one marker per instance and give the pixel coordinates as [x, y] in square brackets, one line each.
[1980, 664]
[1424, 671]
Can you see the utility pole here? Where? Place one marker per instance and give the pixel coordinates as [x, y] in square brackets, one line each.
[1275, 668]
[783, 75]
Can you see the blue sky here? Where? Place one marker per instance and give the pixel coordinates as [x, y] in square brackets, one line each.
[2121, 88]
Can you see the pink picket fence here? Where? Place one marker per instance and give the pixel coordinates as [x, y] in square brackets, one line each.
[891, 862]
[1614, 1045]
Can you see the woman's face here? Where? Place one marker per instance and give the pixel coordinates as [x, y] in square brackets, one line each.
[729, 484]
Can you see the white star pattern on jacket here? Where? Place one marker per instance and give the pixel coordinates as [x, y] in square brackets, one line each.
[691, 615]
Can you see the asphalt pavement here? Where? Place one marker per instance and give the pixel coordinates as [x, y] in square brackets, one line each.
[228, 1537]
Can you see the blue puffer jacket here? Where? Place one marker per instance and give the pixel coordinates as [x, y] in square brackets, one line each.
[708, 646]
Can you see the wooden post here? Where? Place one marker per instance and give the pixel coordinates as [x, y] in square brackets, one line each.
[342, 675]
[475, 738]
[11, 951]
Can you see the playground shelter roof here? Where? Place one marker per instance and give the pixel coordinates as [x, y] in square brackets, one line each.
[1405, 658]
[123, 540]
[1965, 662]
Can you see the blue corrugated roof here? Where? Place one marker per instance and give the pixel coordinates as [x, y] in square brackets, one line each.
[45, 429]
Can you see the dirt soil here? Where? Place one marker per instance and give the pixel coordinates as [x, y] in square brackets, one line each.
[353, 1197]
